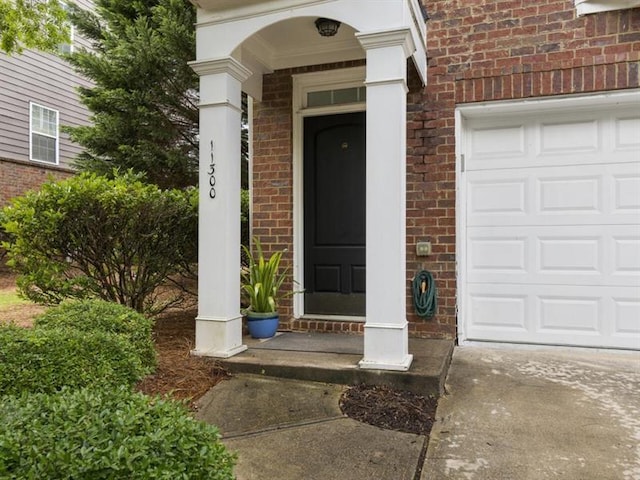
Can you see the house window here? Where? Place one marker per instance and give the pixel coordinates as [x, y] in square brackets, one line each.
[44, 134]
[65, 48]
[336, 97]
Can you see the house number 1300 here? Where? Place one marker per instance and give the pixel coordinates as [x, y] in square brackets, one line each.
[212, 173]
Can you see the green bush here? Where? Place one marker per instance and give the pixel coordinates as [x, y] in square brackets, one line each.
[46, 360]
[87, 435]
[108, 317]
[92, 237]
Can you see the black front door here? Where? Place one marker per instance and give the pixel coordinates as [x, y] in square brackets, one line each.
[334, 214]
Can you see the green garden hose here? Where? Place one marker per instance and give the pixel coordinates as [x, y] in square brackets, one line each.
[425, 294]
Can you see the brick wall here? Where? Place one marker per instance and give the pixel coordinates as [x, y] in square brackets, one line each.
[478, 50]
[496, 50]
[16, 177]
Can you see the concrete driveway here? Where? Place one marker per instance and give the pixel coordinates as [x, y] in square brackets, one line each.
[537, 413]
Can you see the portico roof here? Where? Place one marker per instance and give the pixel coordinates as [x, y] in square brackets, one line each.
[270, 35]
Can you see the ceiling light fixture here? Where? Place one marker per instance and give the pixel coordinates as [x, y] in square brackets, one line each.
[327, 27]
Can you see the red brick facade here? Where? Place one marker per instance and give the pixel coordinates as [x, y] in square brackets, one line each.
[478, 50]
[16, 177]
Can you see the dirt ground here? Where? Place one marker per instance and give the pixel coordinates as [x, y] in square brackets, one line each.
[185, 377]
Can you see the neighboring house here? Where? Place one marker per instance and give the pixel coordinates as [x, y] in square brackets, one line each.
[505, 133]
[37, 96]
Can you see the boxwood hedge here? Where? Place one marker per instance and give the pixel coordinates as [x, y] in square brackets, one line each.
[95, 435]
[108, 317]
[45, 360]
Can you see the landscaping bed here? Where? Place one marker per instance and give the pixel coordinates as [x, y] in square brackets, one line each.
[187, 377]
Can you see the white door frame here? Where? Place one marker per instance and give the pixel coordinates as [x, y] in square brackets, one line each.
[302, 85]
[497, 109]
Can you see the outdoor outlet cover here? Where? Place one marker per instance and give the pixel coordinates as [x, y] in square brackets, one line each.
[423, 249]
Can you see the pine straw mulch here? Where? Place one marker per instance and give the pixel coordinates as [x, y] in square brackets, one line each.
[185, 377]
[180, 374]
[391, 409]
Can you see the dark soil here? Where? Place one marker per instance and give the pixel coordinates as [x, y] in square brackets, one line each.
[391, 409]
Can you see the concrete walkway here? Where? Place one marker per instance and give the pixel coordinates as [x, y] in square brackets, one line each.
[510, 413]
[286, 429]
[537, 413]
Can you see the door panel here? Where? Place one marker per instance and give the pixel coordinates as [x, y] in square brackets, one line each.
[334, 210]
[552, 228]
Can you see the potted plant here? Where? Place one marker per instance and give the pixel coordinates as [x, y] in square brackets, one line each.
[261, 281]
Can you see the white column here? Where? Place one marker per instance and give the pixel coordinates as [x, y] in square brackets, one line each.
[386, 335]
[219, 322]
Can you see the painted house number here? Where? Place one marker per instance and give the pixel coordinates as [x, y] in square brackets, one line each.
[212, 173]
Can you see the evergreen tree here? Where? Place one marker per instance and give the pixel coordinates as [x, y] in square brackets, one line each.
[144, 101]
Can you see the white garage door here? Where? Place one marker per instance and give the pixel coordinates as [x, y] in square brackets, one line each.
[550, 228]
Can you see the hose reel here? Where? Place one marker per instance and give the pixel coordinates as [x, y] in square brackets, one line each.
[425, 294]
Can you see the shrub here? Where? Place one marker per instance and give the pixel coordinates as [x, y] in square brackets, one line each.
[108, 317]
[4, 239]
[106, 435]
[115, 239]
[46, 360]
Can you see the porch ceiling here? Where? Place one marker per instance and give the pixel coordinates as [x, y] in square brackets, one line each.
[301, 45]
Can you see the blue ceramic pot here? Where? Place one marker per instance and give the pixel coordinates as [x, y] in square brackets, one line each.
[262, 325]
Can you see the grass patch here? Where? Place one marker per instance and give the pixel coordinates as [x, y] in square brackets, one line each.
[9, 298]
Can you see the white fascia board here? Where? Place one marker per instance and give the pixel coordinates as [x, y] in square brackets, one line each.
[586, 7]
[554, 103]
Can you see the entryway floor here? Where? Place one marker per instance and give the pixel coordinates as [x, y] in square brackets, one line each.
[333, 358]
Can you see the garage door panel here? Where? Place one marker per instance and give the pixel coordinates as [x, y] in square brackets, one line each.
[563, 315]
[591, 194]
[551, 228]
[555, 255]
[626, 316]
[498, 309]
[627, 138]
[552, 140]
[567, 195]
[568, 136]
[627, 193]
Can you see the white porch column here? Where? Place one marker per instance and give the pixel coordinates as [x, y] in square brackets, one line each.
[386, 335]
[219, 322]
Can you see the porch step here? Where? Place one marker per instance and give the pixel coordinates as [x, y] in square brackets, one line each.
[333, 358]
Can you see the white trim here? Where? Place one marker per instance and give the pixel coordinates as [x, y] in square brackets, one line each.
[56, 137]
[400, 37]
[560, 102]
[250, 109]
[497, 109]
[586, 7]
[403, 366]
[222, 103]
[213, 66]
[461, 196]
[302, 85]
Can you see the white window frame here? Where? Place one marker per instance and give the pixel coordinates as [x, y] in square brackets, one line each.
[32, 132]
[63, 46]
[586, 7]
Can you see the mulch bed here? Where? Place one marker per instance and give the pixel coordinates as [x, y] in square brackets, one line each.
[179, 374]
[391, 409]
[185, 377]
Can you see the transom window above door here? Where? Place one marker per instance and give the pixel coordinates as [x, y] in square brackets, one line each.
[339, 96]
